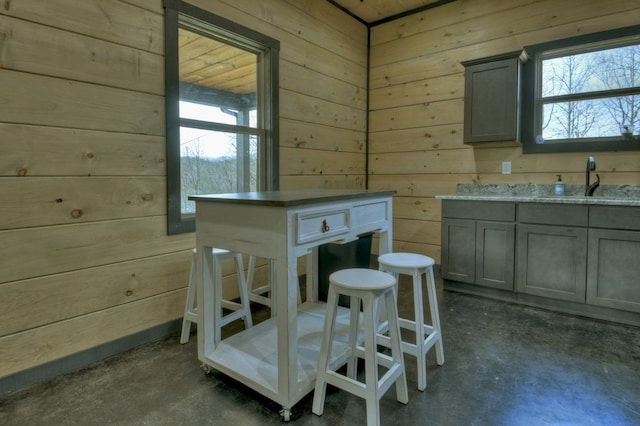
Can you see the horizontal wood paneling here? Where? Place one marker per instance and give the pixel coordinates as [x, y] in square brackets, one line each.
[47, 343]
[416, 231]
[54, 151]
[110, 20]
[318, 111]
[435, 161]
[29, 202]
[417, 115]
[305, 135]
[300, 79]
[322, 181]
[35, 302]
[31, 99]
[417, 208]
[34, 252]
[336, 19]
[38, 48]
[297, 162]
[446, 136]
[417, 92]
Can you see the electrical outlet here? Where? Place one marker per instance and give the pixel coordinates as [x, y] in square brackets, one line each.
[506, 167]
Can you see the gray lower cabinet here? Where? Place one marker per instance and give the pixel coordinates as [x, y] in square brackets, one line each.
[614, 258]
[552, 250]
[479, 250]
[583, 258]
[459, 250]
[495, 242]
[552, 261]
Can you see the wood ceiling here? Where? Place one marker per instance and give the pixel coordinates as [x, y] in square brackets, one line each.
[372, 11]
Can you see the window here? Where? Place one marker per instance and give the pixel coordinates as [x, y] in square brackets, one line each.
[222, 109]
[583, 93]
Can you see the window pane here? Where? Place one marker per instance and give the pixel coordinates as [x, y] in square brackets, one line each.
[610, 69]
[216, 162]
[216, 74]
[594, 118]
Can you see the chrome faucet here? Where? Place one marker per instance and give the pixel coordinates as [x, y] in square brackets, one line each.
[589, 188]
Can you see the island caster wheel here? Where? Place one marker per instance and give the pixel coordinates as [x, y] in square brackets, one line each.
[286, 414]
[206, 368]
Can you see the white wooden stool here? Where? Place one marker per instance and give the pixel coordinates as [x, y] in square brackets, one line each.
[238, 310]
[371, 287]
[426, 336]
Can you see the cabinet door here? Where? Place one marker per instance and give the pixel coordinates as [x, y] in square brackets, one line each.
[491, 107]
[552, 261]
[458, 249]
[614, 269]
[495, 247]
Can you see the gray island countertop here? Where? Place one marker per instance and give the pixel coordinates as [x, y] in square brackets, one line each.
[291, 198]
[617, 195]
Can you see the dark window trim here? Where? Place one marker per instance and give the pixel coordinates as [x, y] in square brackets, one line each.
[177, 222]
[528, 118]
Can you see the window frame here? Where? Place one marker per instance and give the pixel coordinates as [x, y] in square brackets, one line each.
[531, 106]
[176, 12]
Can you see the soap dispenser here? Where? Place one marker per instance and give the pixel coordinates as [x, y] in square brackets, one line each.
[558, 189]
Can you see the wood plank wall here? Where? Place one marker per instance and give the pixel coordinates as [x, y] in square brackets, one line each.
[84, 256]
[416, 104]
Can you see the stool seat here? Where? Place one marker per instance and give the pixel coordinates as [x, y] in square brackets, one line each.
[426, 336]
[406, 260]
[370, 287]
[362, 279]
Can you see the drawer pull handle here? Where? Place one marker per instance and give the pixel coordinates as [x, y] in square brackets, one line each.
[325, 227]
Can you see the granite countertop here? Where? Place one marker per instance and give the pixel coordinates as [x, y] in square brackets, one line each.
[619, 195]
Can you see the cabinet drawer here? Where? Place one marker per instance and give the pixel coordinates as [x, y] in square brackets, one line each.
[554, 214]
[316, 225]
[479, 210]
[615, 217]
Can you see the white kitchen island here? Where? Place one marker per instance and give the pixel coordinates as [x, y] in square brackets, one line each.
[278, 357]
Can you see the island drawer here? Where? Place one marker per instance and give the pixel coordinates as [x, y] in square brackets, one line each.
[316, 225]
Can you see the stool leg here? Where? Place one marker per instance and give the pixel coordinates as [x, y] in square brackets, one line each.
[370, 308]
[419, 329]
[354, 311]
[402, 393]
[326, 347]
[435, 315]
[190, 305]
[244, 292]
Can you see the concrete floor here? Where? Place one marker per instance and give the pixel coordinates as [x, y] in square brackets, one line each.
[505, 365]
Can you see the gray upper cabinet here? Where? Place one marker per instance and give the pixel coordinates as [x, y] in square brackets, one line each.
[492, 98]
